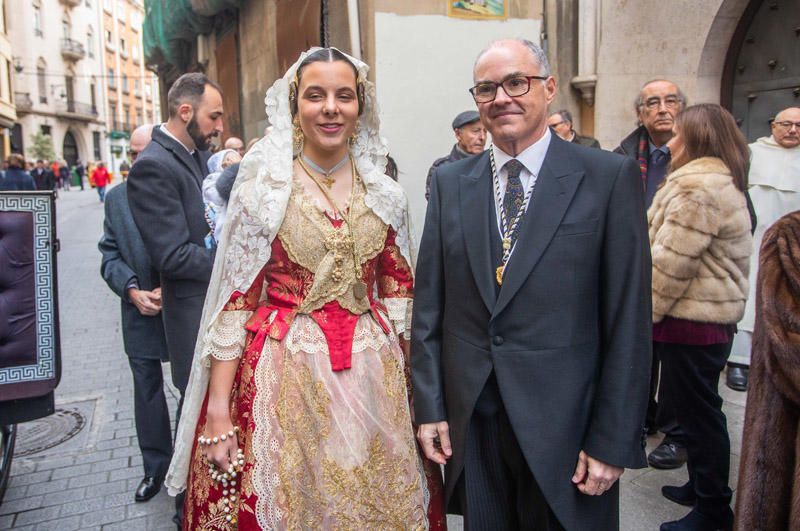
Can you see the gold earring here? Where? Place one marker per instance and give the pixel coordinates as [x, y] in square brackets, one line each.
[354, 137]
[297, 134]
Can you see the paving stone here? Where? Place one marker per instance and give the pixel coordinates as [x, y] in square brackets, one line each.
[116, 500]
[50, 486]
[29, 478]
[126, 473]
[130, 524]
[71, 523]
[111, 464]
[106, 516]
[5, 521]
[93, 457]
[65, 497]
[104, 489]
[15, 493]
[22, 504]
[85, 506]
[127, 451]
[37, 515]
[72, 471]
[114, 443]
[88, 479]
[49, 464]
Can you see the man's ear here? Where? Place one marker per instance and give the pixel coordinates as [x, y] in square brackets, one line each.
[186, 112]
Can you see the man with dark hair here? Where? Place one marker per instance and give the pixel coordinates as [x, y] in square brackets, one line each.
[44, 178]
[561, 123]
[164, 193]
[470, 140]
[127, 270]
[16, 178]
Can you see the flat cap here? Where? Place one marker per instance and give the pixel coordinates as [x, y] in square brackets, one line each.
[466, 117]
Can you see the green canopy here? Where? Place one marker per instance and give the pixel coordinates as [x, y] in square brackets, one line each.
[171, 26]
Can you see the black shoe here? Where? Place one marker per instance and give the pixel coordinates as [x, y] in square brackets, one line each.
[736, 377]
[683, 495]
[668, 455]
[697, 521]
[148, 488]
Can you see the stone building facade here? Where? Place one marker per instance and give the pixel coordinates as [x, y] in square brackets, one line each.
[56, 59]
[8, 113]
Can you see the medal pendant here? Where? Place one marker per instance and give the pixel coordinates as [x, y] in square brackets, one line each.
[499, 274]
[360, 290]
[506, 244]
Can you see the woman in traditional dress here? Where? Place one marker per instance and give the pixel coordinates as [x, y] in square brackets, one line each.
[298, 402]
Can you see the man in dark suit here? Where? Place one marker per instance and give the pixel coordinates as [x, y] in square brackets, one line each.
[531, 333]
[127, 270]
[165, 196]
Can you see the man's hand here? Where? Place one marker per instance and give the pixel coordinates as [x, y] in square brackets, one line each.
[593, 477]
[435, 441]
[147, 302]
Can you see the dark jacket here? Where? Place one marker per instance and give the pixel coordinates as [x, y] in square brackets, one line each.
[455, 154]
[43, 178]
[125, 259]
[568, 335]
[164, 193]
[17, 179]
[586, 141]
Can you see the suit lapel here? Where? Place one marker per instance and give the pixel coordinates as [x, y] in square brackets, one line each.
[555, 188]
[181, 154]
[475, 197]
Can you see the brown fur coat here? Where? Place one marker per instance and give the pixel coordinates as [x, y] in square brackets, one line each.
[701, 244]
[768, 496]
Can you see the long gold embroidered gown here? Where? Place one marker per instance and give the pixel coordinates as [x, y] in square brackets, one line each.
[320, 395]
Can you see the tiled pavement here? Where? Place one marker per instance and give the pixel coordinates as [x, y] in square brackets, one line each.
[88, 482]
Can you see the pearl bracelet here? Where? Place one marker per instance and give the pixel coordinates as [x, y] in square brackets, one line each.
[227, 480]
[208, 441]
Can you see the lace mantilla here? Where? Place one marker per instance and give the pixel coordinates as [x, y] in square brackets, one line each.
[399, 310]
[256, 210]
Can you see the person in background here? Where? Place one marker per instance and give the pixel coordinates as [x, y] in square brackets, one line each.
[235, 144]
[101, 178]
[470, 140]
[124, 168]
[43, 177]
[700, 241]
[656, 106]
[16, 178]
[561, 122]
[80, 172]
[774, 187]
[63, 174]
[214, 203]
[127, 270]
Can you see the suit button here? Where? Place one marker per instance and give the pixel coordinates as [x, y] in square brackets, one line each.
[497, 341]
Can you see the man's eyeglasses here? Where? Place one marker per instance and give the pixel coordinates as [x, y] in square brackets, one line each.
[670, 102]
[513, 86]
[787, 125]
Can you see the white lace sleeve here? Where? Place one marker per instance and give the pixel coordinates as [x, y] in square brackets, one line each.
[399, 310]
[225, 338]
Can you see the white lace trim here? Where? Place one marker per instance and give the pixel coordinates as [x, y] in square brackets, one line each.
[307, 337]
[266, 447]
[399, 310]
[226, 337]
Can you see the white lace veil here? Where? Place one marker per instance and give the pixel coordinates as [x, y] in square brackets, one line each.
[255, 212]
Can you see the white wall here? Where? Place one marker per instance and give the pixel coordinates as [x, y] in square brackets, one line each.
[423, 71]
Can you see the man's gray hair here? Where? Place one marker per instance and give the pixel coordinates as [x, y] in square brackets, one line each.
[639, 102]
[565, 115]
[535, 49]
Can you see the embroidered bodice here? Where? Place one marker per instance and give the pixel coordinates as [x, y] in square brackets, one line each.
[311, 271]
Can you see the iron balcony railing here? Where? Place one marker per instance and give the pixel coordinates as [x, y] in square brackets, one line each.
[72, 49]
[23, 101]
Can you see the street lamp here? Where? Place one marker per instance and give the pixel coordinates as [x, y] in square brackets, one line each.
[18, 66]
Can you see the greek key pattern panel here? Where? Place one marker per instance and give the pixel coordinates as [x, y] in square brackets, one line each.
[45, 367]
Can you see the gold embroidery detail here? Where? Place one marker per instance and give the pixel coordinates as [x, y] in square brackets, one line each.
[312, 242]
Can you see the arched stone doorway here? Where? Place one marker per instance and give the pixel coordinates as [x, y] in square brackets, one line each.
[70, 148]
[762, 68]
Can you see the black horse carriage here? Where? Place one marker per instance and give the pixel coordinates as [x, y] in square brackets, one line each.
[30, 357]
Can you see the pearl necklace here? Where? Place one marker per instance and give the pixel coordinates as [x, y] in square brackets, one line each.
[326, 179]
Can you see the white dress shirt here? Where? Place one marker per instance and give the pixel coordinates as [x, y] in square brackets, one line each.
[531, 158]
[166, 132]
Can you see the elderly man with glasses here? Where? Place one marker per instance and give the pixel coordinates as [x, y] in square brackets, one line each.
[774, 187]
[561, 123]
[531, 339]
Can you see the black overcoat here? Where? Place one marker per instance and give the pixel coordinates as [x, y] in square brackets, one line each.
[165, 196]
[568, 335]
[125, 258]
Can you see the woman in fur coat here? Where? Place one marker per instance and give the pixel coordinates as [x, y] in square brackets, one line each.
[700, 240]
[768, 498]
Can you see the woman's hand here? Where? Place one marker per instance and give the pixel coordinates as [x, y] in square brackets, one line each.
[223, 453]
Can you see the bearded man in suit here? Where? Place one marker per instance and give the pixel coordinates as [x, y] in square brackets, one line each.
[531, 364]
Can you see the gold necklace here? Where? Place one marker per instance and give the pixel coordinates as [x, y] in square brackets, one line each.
[359, 287]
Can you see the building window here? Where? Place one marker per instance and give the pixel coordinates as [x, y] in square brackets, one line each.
[8, 80]
[107, 6]
[137, 88]
[121, 11]
[112, 79]
[126, 111]
[139, 117]
[122, 46]
[66, 27]
[96, 144]
[46, 130]
[41, 81]
[37, 20]
[135, 53]
[90, 41]
[125, 83]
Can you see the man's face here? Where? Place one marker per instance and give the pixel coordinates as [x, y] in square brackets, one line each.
[786, 127]
[560, 126]
[206, 120]
[471, 137]
[39, 164]
[236, 145]
[138, 143]
[521, 119]
[660, 104]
